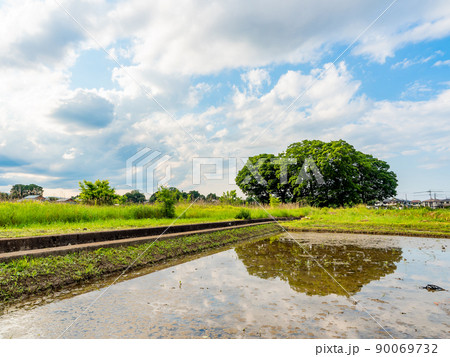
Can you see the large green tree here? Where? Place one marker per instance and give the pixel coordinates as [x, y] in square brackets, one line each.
[21, 191]
[98, 193]
[320, 174]
[258, 178]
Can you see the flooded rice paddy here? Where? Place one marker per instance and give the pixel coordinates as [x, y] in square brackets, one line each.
[321, 286]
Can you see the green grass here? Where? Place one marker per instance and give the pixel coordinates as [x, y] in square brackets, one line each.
[31, 218]
[417, 222]
[27, 276]
[34, 218]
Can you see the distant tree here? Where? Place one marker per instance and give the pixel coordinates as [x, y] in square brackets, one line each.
[195, 195]
[230, 198]
[211, 197]
[52, 199]
[4, 196]
[134, 196]
[21, 191]
[152, 198]
[98, 193]
[179, 195]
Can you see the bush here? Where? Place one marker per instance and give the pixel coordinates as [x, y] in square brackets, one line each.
[167, 199]
[98, 193]
[243, 214]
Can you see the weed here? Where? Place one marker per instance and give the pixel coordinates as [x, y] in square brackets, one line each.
[243, 214]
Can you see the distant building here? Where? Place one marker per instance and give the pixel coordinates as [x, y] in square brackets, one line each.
[416, 203]
[33, 198]
[393, 202]
[66, 200]
[432, 203]
[445, 203]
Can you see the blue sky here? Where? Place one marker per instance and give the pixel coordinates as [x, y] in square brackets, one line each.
[86, 85]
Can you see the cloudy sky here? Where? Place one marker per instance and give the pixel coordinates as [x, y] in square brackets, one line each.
[86, 85]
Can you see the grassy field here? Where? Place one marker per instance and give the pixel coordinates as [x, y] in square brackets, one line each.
[30, 276]
[415, 222]
[33, 218]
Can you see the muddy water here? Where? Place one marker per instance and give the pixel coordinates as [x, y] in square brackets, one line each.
[365, 287]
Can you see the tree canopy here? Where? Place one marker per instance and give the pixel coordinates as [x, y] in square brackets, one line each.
[98, 193]
[21, 191]
[134, 197]
[192, 195]
[318, 173]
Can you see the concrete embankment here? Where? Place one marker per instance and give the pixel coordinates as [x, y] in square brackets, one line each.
[24, 277]
[13, 248]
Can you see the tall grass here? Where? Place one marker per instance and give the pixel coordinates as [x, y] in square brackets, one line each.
[363, 218]
[34, 218]
[23, 214]
[26, 213]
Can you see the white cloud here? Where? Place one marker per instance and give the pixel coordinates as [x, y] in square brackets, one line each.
[405, 23]
[201, 38]
[255, 79]
[196, 93]
[415, 90]
[26, 176]
[396, 125]
[169, 45]
[431, 166]
[70, 154]
[405, 63]
[442, 63]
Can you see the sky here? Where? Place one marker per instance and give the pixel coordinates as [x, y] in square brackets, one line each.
[143, 93]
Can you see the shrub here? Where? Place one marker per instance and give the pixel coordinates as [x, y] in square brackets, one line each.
[98, 193]
[167, 199]
[243, 214]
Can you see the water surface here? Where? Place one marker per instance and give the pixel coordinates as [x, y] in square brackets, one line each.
[321, 286]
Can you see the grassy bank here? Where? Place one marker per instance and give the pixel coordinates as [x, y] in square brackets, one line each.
[414, 222]
[27, 219]
[30, 276]
[32, 218]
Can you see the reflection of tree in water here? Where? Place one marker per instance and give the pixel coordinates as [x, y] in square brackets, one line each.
[351, 265]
